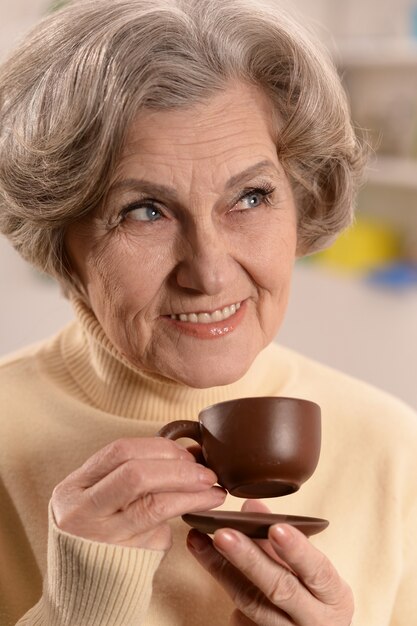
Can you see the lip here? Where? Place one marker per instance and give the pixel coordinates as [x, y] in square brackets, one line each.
[215, 330]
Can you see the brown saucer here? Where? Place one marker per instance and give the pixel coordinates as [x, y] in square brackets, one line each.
[253, 525]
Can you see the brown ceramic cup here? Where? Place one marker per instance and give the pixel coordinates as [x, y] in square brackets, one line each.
[258, 447]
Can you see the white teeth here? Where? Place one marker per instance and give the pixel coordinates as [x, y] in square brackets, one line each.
[208, 318]
[204, 318]
[217, 316]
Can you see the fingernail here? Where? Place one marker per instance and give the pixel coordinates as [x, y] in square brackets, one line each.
[224, 539]
[281, 536]
[197, 541]
[207, 477]
[220, 492]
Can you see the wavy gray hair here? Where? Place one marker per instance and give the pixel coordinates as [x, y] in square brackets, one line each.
[71, 90]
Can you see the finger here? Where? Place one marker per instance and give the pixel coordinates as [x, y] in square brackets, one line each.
[311, 566]
[239, 619]
[197, 453]
[157, 508]
[136, 478]
[118, 452]
[249, 599]
[280, 586]
[256, 506]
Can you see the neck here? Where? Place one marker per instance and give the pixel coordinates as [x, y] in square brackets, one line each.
[103, 378]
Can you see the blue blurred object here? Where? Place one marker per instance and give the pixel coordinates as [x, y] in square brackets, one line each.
[398, 276]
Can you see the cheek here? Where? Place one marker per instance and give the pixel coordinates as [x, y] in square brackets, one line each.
[127, 274]
[272, 260]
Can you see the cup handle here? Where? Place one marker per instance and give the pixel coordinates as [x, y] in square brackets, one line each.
[181, 428]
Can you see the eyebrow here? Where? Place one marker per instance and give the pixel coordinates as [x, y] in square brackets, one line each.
[169, 192]
[253, 170]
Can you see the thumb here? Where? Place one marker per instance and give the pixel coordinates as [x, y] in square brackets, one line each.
[254, 506]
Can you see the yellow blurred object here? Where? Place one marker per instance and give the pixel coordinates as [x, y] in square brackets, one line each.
[365, 246]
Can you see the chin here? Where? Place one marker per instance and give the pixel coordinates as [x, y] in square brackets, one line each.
[204, 376]
[205, 382]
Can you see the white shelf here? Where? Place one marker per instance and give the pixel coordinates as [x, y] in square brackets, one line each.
[371, 53]
[393, 172]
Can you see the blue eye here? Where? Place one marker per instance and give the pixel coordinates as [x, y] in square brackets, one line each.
[143, 213]
[255, 198]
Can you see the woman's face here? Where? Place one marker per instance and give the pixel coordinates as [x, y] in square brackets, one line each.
[188, 265]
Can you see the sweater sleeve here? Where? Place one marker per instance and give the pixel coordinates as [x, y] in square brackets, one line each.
[89, 582]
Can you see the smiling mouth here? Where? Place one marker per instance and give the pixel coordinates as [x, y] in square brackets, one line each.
[208, 318]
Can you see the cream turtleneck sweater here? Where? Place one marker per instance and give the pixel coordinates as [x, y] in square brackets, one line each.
[66, 398]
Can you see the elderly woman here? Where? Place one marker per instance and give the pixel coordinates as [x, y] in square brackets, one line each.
[167, 161]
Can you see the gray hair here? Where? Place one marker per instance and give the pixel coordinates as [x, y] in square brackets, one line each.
[71, 90]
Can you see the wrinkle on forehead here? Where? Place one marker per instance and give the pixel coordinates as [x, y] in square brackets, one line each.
[203, 124]
[203, 150]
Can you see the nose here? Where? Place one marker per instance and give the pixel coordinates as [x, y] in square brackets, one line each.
[205, 265]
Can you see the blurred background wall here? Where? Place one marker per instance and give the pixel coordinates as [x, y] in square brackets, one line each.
[353, 307]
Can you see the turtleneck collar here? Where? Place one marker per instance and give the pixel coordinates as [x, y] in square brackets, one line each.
[91, 368]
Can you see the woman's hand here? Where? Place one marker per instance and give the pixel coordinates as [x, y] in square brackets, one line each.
[282, 581]
[126, 493]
